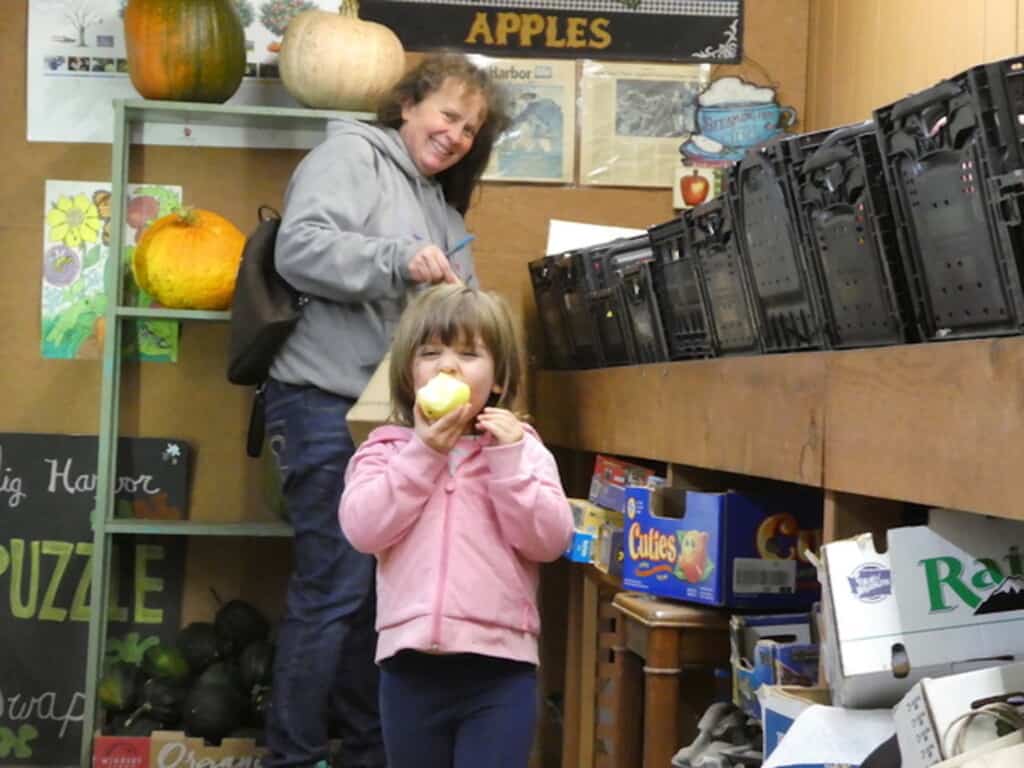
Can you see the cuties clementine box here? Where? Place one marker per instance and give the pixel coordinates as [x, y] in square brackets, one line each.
[724, 549]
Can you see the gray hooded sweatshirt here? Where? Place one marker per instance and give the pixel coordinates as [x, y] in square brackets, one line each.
[355, 213]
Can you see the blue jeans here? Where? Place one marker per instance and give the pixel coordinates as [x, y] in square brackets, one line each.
[457, 711]
[325, 645]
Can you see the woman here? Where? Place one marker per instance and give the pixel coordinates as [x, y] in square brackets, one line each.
[369, 215]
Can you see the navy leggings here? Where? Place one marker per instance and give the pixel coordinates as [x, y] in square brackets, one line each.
[457, 711]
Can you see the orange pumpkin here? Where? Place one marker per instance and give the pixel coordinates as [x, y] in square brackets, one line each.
[189, 260]
[184, 50]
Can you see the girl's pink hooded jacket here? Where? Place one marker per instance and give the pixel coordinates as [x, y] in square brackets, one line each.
[457, 551]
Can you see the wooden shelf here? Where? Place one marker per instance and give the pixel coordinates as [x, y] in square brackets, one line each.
[939, 424]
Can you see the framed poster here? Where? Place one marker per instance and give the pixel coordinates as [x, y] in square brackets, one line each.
[539, 145]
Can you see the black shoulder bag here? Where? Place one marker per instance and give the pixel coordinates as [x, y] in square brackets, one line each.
[264, 312]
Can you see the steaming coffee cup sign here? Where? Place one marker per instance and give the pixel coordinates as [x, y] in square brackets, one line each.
[733, 116]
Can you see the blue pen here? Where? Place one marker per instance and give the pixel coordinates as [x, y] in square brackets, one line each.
[460, 245]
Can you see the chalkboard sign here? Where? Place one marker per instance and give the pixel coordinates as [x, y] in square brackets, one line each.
[47, 493]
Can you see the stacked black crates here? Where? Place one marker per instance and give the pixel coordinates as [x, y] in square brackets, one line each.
[598, 305]
[843, 203]
[679, 300]
[549, 277]
[953, 162]
[786, 296]
[714, 245]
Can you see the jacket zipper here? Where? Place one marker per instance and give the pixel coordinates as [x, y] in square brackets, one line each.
[442, 575]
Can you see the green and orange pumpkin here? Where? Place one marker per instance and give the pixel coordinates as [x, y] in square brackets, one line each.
[185, 50]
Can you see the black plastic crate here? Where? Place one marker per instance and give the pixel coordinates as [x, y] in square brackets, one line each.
[714, 244]
[548, 278]
[603, 262]
[677, 293]
[949, 154]
[586, 344]
[640, 302]
[786, 295]
[610, 321]
[851, 238]
[624, 306]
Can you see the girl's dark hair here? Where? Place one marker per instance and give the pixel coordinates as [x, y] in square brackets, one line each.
[459, 181]
[454, 314]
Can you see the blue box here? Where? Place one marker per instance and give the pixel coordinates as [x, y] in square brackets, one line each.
[723, 549]
[581, 547]
[770, 650]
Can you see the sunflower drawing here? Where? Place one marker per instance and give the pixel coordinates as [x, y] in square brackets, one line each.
[74, 220]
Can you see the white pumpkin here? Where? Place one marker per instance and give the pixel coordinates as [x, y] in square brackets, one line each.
[338, 61]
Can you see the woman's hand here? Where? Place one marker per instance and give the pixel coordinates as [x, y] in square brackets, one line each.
[430, 265]
[443, 434]
[503, 424]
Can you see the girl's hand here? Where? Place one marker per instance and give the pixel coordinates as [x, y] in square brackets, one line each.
[503, 424]
[443, 434]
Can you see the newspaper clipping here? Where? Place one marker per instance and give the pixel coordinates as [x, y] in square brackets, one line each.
[539, 143]
[633, 117]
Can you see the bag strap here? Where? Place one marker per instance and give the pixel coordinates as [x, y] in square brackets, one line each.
[257, 424]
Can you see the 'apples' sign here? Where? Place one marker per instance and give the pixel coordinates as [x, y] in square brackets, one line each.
[691, 31]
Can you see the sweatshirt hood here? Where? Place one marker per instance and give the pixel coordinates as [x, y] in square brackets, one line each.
[385, 139]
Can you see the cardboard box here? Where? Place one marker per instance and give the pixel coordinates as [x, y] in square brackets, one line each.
[925, 715]
[770, 650]
[943, 598]
[373, 408]
[781, 707]
[587, 519]
[723, 549]
[581, 547]
[611, 476]
[120, 751]
[608, 554]
[173, 749]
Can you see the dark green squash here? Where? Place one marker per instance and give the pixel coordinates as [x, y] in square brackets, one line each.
[185, 50]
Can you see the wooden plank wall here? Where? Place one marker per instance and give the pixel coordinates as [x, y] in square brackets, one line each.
[867, 53]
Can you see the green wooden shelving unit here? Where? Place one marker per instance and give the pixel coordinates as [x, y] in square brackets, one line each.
[129, 113]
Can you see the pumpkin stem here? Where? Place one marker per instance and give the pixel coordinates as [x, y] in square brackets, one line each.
[349, 8]
[187, 215]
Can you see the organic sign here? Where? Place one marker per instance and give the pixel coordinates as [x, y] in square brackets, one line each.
[666, 30]
[47, 493]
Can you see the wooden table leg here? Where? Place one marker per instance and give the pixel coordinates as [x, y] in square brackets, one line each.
[588, 672]
[571, 696]
[629, 701]
[661, 697]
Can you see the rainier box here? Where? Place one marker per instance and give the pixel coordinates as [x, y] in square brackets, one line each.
[723, 549]
[941, 599]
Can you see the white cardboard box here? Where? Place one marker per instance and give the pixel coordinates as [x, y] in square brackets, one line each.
[943, 598]
[925, 715]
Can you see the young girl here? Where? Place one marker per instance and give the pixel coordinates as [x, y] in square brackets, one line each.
[458, 512]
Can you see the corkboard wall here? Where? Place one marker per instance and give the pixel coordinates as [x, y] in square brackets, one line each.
[191, 400]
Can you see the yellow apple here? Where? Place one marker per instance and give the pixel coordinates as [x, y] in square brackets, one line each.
[441, 395]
